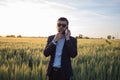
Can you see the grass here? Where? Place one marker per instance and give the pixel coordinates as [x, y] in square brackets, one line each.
[22, 59]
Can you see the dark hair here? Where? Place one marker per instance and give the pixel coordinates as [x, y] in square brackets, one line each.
[63, 19]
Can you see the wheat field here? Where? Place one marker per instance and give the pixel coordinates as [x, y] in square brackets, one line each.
[23, 59]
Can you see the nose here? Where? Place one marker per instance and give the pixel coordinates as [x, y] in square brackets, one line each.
[60, 26]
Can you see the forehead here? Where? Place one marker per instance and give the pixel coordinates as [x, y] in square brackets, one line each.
[63, 22]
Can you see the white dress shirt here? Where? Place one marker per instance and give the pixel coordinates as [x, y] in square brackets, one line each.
[58, 53]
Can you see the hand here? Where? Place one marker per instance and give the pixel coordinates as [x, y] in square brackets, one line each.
[67, 34]
[58, 36]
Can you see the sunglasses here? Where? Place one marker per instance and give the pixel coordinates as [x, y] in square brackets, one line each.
[63, 25]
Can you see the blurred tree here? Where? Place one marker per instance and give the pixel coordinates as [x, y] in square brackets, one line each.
[80, 36]
[109, 37]
[19, 36]
[113, 37]
[10, 36]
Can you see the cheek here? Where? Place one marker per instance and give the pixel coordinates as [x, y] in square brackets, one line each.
[58, 29]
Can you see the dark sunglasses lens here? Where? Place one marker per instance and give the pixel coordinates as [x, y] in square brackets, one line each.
[63, 25]
[58, 25]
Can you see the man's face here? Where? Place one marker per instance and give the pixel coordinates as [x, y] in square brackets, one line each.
[61, 26]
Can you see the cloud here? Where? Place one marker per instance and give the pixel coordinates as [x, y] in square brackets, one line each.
[2, 4]
[116, 0]
[91, 15]
[59, 5]
[53, 4]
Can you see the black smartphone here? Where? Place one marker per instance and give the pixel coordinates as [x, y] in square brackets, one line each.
[64, 31]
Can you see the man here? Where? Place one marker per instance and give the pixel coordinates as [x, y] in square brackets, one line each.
[60, 47]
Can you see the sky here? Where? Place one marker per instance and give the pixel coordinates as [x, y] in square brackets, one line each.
[91, 18]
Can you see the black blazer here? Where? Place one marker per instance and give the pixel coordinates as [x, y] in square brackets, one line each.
[69, 51]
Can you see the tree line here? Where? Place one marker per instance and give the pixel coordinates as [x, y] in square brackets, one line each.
[80, 36]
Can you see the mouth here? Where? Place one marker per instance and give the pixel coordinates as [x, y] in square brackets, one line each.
[59, 30]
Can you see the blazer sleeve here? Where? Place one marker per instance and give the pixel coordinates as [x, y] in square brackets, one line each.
[50, 47]
[72, 47]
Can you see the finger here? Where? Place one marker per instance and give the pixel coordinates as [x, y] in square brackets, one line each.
[68, 30]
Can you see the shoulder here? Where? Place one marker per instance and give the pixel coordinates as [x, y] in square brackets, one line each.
[50, 38]
[72, 38]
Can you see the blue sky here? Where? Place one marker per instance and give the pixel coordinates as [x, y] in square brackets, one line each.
[92, 18]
